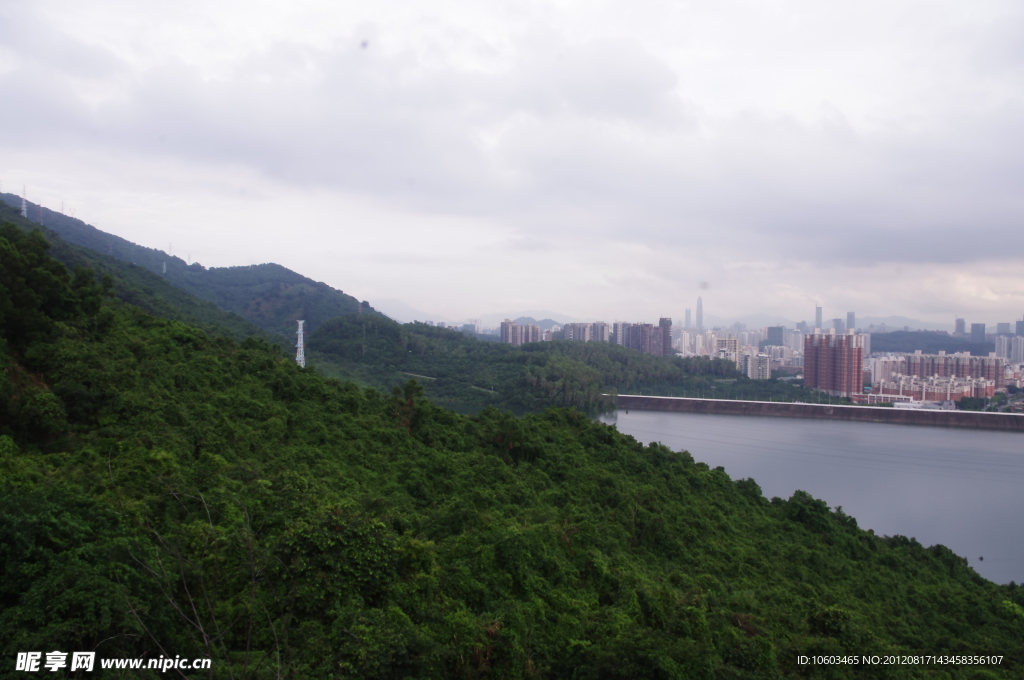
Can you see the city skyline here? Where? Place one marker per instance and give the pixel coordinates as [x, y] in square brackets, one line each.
[617, 155]
[689, 320]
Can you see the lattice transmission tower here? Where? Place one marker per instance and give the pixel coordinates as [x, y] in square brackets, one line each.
[300, 347]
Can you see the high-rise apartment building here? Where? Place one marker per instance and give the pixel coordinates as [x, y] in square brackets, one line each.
[645, 338]
[598, 331]
[834, 363]
[817, 317]
[665, 324]
[977, 332]
[731, 345]
[757, 366]
[729, 348]
[960, 327]
[687, 324]
[700, 315]
[580, 332]
[511, 333]
[1004, 346]
[796, 341]
[620, 333]
[1017, 349]
[851, 321]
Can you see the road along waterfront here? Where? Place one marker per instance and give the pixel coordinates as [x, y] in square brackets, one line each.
[974, 420]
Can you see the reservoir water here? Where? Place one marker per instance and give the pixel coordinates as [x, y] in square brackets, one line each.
[961, 488]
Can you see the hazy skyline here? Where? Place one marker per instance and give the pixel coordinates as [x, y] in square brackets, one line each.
[608, 160]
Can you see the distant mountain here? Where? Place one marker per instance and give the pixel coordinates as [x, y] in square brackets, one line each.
[404, 313]
[493, 320]
[545, 324]
[900, 323]
[929, 342]
[267, 295]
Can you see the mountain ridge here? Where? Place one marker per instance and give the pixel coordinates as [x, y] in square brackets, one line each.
[277, 296]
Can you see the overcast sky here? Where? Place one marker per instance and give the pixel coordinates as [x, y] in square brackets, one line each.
[606, 160]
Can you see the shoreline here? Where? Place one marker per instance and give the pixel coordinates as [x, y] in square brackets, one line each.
[970, 420]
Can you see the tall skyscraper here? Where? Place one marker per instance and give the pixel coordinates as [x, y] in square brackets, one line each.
[817, 317]
[961, 327]
[851, 321]
[687, 324]
[700, 314]
[776, 335]
[977, 332]
[839, 325]
[1020, 327]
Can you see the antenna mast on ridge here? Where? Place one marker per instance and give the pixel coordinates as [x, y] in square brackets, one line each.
[300, 348]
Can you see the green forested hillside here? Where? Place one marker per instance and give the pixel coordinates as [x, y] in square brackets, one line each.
[458, 370]
[144, 289]
[267, 295]
[164, 492]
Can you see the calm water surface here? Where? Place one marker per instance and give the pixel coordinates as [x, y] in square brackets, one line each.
[961, 488]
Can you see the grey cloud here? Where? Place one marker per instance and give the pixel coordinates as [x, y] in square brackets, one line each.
[583, 140]
[38, 43]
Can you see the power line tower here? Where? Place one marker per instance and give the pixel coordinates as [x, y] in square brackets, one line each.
[300, 347]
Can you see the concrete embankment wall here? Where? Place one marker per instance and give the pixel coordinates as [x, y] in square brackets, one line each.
[1007, 422]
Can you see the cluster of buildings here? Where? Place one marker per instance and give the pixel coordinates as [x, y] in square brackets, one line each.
[516, 334]
[839, 365]
[939, 377]
[979, 332]
[833, 356]
[645, 338]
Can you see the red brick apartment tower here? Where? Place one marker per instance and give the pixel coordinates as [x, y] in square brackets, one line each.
[834, 363]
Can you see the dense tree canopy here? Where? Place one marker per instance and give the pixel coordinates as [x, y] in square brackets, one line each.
[163, 491]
